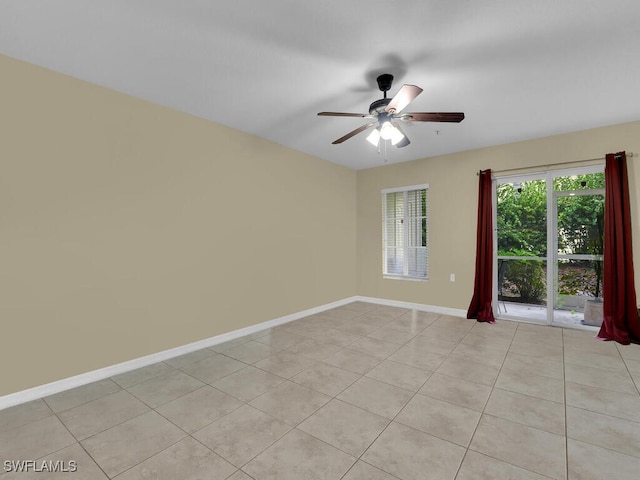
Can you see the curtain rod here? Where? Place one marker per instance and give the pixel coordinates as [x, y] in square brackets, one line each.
[546, 166]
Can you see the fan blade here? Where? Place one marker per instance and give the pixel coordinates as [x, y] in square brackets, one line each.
[403, 98]
[354, 132]
[456, 117]
[342, 114]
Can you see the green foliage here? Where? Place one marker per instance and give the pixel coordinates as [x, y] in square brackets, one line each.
[570, 282]
[591, 181]
[522, 231]
[580, 277]
[522, 219]
[581, 224]
[524, 278]
[528, 279]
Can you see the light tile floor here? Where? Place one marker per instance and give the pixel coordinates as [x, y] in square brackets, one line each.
[360, 392]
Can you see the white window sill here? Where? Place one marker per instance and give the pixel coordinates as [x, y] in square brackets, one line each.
[410, 279]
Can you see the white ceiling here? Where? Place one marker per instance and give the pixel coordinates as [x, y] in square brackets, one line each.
[518, 69]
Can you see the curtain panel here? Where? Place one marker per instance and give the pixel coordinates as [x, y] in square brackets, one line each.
[480, 307]
[620, 322]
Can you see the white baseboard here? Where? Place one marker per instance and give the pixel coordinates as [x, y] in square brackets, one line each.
[454, 312]
[102, 373]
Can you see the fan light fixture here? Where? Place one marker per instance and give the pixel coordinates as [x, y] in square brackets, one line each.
[396, 135]
[386, 131]
[374, 137]
[386, 112]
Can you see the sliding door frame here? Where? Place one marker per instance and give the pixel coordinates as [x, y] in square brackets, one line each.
[552, 232]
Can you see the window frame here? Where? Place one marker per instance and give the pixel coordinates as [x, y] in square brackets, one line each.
[405, 243]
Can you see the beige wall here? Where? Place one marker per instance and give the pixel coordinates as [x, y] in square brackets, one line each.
[127, 228]
[453, 191]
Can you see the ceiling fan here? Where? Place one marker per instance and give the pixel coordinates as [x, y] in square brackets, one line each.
[388, 112]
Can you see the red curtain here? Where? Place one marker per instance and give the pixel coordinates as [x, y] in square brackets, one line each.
[621, 322]
[480, 307]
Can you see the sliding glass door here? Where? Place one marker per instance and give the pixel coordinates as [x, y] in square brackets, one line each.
[578, 216]
[521, 238]
[548, 244]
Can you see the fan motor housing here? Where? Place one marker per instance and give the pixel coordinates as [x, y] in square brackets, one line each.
[379, 106]
[384, 82]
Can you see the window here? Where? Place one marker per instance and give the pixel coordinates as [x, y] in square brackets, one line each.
[404, 233]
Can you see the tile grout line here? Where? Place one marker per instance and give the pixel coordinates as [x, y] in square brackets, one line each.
[466, 450]
[590, 411]
[413, 396]
[79, 443]
[359, 458]
[485, 403]
[526, 425]
[296, 426]
[390, 421]
[636, 384]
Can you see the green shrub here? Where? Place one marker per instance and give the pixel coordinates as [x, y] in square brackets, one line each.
[526, 279]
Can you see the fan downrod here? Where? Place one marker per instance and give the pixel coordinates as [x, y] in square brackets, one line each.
[384, 84]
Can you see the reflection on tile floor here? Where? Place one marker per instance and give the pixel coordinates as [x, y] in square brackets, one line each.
[358, 392]
[538, 314]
